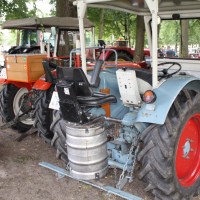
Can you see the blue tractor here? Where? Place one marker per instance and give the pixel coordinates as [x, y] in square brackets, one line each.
[122, 117]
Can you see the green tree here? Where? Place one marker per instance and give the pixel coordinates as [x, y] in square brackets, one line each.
[194, 29]
[184, 38]
[15, 9]
[101, 27]
[169, 32]
[116, 24]
[140, 33]
[1, 37]
[65, 8]
[181, 34]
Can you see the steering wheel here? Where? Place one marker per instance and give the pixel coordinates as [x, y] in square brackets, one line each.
[165, 73]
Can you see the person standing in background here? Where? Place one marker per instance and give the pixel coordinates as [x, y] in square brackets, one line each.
[170, 53]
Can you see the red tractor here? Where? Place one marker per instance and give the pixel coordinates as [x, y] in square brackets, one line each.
[23, 69]
[125, 53]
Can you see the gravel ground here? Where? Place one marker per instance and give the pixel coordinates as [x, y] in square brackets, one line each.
[21, 178]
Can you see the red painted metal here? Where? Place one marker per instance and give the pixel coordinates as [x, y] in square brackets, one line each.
[2, 81]
[41, 84]
[17, 84]
[111, 64]
[78, 60]
[188, 162]
[127, 50]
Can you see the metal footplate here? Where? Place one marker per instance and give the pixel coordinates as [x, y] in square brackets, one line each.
[109, 189]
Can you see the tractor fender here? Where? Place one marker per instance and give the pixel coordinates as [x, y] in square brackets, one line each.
[2, 80]
[166, 94]
[41, 84]
[17, 84]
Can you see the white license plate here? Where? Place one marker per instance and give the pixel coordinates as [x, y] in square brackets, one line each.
[54, 103]
[3, 73]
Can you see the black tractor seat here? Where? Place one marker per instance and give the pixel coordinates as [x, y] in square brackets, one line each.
[48, 68]
[97, 99]
[75, 93]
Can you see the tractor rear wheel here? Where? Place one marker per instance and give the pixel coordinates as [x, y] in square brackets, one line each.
[11, 98]
[43, 114]
[59, 139]
[170, 155]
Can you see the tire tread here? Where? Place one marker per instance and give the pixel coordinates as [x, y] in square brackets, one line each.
[157, 154]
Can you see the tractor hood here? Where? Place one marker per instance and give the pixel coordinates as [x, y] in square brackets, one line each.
[68, 23]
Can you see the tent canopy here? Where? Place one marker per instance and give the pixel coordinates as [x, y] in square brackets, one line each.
[68, 23]
[139, 6]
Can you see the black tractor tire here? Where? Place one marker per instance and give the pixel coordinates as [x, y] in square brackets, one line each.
[122, 55]
[7, 98]
[162, 151]
[43, 114]
[58, 126]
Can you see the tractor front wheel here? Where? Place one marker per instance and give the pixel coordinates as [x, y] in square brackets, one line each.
[170, 156]
[11, 98]
[58, 126]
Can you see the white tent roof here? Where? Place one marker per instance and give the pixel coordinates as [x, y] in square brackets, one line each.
[69, 23]
[139, 6]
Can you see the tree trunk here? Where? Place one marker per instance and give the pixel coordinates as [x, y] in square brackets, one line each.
[127, 29]
[18, 38]
[64, 8]
[101, 27]
[139, 47]
[184, 38]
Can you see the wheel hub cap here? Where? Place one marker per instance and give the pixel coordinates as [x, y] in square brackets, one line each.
[186, 149]
[26, 119]
[188, 152]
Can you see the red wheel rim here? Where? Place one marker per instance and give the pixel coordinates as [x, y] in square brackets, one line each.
[188, 152]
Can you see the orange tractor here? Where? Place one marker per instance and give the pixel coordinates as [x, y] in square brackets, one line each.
[23, 69]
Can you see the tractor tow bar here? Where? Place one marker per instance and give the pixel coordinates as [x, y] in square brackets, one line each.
[27, 133]
[14, 121]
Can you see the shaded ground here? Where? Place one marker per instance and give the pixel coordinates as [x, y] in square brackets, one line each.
[22, 179]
